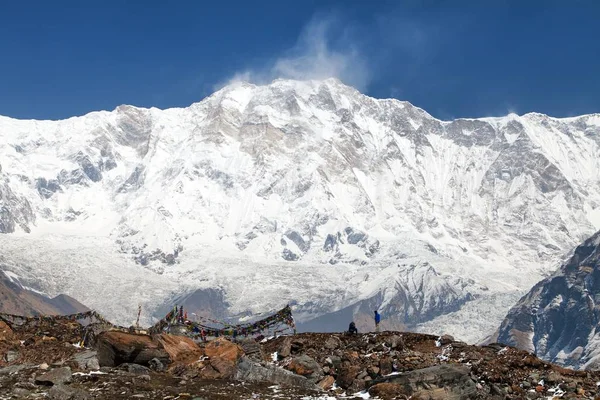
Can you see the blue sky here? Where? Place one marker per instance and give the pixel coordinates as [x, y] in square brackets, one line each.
[452, 58]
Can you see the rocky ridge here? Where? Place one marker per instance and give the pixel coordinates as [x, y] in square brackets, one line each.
[21, 300]
[559, 319]
[47, 359]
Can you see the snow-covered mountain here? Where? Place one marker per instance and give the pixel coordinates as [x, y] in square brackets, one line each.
[559, 319]
[298, 191]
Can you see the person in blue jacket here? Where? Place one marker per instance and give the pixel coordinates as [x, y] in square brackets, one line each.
[377, 320]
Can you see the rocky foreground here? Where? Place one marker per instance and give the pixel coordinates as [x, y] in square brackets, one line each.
[46, 360]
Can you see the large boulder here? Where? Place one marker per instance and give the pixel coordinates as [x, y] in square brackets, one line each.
[346, 375]
[326, 383]
[306, 366]
[396, 342]
[13, 369]
[181, 349]
[223, 357]
[249, 371]
[224, 368]
[286, 348]
[115, 348]
[252, 349]
[55, 377]
[87, 359]
[224, 349]
[62, 392]
[437, 382]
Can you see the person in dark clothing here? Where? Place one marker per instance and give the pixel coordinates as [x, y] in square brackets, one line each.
[352, 328]
[377, 320]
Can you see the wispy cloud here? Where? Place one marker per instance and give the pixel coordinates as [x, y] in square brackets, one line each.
[323, 50]
[314, 56]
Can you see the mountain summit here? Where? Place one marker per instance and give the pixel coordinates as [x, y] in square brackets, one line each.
[305, 192]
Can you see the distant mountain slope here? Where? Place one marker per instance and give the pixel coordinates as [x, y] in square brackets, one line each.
[559, 319]
[18, 300]
[302, 192]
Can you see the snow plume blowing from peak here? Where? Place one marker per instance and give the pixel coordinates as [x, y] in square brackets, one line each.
[325, 49]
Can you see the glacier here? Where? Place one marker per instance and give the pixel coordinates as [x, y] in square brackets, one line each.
[300, 192]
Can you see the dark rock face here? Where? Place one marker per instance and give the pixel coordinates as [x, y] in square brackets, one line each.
[74, 177]
[134, 128]
[144, 257]
[558, 319]
[15, 211]
[46, 188]
[135, 180]
[298, 240]
[289, 255]
[89, 169]
[355, 237]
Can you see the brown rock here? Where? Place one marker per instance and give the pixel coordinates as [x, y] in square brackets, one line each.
[223, 348]
[305, 366]
[326, 383]
[532, 361]
[434, 394]
[252, 349]
[373, 371]
[6, 334]
[351, 356]
[226, 368]
[539, 388]
[385, 366]
[115, 348]
[209, 372]
[346, 375]
[446, 339]
[332, 343]
[286, 348]
[396, 342]
[358, 385]
[553, 377]
[181, 349]
[387, 391]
